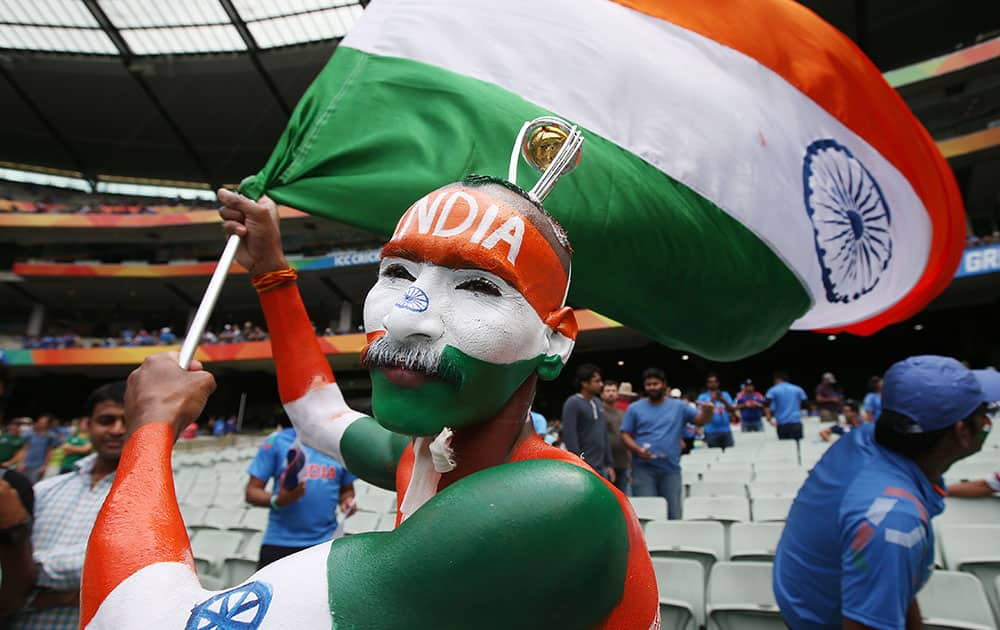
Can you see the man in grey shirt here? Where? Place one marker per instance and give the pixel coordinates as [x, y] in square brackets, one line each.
[584, 426]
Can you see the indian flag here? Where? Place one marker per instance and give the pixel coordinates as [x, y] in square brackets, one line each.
[746, 169]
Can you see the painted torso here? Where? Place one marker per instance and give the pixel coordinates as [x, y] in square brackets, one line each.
[640, 600]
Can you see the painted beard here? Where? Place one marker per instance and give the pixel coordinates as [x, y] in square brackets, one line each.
[418, 390]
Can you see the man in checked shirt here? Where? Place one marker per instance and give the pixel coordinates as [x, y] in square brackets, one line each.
[65, 510]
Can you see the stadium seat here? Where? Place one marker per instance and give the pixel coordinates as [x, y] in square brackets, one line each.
[649, 508]
[739, 597]
[377, 502]
[192, 513]
[218, 518]
[788, 475]
[773, 488]
[692, 470]
[782, 464]
[211, 547]
[973, 549]
[682, 593]
[203, 494]
[727, 475]
[693, 540]
[717, 489]
[255, 519]
[754, 541]
[951, 599]
[771, 508]
[723, 509]
[386, 523]
[985, 511]
[360, 523]
[726, 464]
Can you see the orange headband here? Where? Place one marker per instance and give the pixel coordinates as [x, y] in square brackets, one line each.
[463, 228]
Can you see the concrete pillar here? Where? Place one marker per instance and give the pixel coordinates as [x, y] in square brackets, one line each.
[344, 323]
[36, 320]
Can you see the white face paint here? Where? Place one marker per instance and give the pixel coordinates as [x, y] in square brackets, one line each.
[473, 311]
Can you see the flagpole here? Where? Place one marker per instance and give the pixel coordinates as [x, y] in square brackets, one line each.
[207, 305]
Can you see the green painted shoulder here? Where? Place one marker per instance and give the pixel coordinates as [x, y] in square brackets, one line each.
[534, 544]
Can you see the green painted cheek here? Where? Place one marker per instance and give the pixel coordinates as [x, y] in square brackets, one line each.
[427, 409]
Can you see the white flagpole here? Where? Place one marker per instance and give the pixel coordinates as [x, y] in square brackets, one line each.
[207, 305]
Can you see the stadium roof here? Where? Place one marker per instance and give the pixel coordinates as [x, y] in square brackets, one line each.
[200, 90]
[150, 27]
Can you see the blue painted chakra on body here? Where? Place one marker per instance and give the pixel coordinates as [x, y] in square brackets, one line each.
[850, 219]
[415, 299]
[240, 608]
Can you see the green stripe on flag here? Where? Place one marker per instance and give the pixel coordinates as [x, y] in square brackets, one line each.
[373, 134]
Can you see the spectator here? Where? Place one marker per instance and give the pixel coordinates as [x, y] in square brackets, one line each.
[858, 543]
[303, 516]
[785, 400]
[11, 442]
[652, 430]
[17, 571]
[219, 427]
[583, 424]
[65, 510]
[76, 447]
[751, 406]
[828, 399]
[167, 337]
[539, 423]
[37, 450]
[626, 395]
[718, 434]
[620, 455]
[852, 419]
[872, 404]
[976, 489]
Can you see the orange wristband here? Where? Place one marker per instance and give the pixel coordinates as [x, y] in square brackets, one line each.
[272, 279]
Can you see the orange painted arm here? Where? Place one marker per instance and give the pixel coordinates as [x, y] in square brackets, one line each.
[298, 358]
[140, 523]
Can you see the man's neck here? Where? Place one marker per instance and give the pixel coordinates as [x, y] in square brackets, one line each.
[933, 467]
[491, 443]
[102, 468]
[609, 405]
[586, 395]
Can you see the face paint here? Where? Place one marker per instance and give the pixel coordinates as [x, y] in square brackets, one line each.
[473, 326]
[465, 299]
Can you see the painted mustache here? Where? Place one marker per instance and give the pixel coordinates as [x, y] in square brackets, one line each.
[390, 353]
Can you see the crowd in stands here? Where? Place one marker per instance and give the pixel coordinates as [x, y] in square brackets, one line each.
[637, 445]
[989, 239]
[31, 199]
[165, 336]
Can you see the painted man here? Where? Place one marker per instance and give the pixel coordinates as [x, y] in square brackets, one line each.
[467, 314]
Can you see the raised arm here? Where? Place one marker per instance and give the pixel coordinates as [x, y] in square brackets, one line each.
[160, 400]
[306, 384]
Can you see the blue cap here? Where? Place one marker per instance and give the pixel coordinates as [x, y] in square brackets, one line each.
[936, 392]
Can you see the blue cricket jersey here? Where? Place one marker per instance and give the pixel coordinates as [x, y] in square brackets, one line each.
[858, 542]
[312, 519]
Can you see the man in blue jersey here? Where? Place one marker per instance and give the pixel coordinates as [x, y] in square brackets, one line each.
[718, 434]
[303, 516]
[872, 403]
[858, 544]
[751, 406]
[653, 429]
[784, 401]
